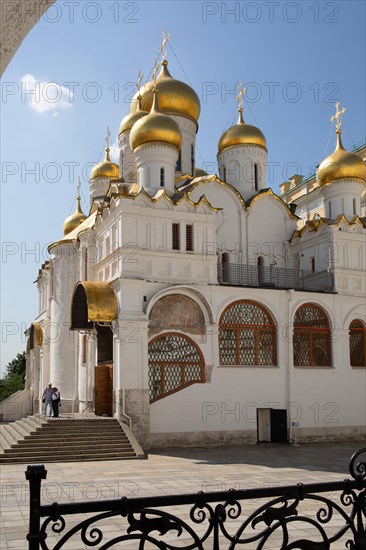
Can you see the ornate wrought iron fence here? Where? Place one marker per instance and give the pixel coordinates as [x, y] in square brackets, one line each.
[274, 277]
[304, 517]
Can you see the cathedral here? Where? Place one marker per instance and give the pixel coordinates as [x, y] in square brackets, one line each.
[204, 309]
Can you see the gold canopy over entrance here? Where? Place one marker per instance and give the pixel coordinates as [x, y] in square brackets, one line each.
[92, 303]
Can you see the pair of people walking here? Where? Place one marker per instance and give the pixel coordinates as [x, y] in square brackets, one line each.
[51, 401]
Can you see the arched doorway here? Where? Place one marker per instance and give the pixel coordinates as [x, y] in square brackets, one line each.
[94, 306]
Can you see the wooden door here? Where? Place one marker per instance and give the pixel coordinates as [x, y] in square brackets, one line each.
[104, 390]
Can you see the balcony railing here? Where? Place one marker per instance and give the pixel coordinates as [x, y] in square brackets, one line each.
[274, 277]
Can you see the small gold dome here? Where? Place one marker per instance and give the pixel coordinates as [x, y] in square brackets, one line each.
[73, 221]
[105, 169]
[175, 97]
[341, 164]
[155, 127]
[241, 134]
[199, 173]
[129, 120]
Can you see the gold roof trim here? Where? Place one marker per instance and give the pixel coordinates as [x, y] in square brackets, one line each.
[101, 301]
[313, 225]
[272, 194]
[74, 234]
[213, 177]
[162, 194]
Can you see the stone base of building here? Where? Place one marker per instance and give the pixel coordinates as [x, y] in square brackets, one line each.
[249, 437]
[202, 439]
[135, 413]
[334, 433]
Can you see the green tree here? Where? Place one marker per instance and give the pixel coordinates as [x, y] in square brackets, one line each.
[14, 379]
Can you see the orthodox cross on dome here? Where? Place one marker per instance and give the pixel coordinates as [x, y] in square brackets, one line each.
[239, 97]
[155, 70]
[139, 80]
[107, 139]
[162, 48]
[338, 116]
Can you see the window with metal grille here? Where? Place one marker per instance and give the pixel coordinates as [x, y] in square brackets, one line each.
[162, 177]
[189, 238]
[247, 335]
[311, 340]
[357, 343]
[175, 362]
[175, 236]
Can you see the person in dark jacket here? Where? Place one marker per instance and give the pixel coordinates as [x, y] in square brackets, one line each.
[55, 401]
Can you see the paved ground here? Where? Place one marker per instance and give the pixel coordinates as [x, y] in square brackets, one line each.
[169, 472]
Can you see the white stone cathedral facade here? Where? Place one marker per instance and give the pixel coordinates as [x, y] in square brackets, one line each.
[191, 306]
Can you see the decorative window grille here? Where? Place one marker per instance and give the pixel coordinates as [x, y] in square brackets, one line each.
[175, 362]
[357, 343]
[311, 341]
[189, 238]
[175, 236]
[247, 335]
[162, 177]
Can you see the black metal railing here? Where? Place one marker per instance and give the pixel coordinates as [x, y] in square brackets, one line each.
[306, 517]
[274, 277]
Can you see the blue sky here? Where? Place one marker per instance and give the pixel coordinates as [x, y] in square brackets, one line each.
[296, 59]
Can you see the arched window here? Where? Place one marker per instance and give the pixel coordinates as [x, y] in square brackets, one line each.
[247, 335]
[311, 339]
[192, 160]
[330, 210]
[223, 172]
[357, 343]
[178, 166]
[162, 177]
[175, 362]
[354, 207]
[256, 178]
[225, 267]
[260, 268]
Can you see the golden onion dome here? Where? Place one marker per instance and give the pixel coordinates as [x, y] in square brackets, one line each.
[105, 169]
[341, 164]
[155, 127]
[175, 97]
[241, 134]
[129, 120]
[73, 221]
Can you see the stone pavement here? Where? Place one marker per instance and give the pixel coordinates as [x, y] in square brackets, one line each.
[169, 472]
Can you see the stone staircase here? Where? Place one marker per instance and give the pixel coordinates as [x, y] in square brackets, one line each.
[39, 439]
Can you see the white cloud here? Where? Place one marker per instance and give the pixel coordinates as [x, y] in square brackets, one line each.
[45, 97]
[115, 151]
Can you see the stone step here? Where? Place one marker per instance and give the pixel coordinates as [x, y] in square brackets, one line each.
[41, 440]
[89, 458]
[31, 451]
[74, 435]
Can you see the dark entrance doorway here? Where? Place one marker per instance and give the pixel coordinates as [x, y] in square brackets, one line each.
[104, 372]
[272, 425]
